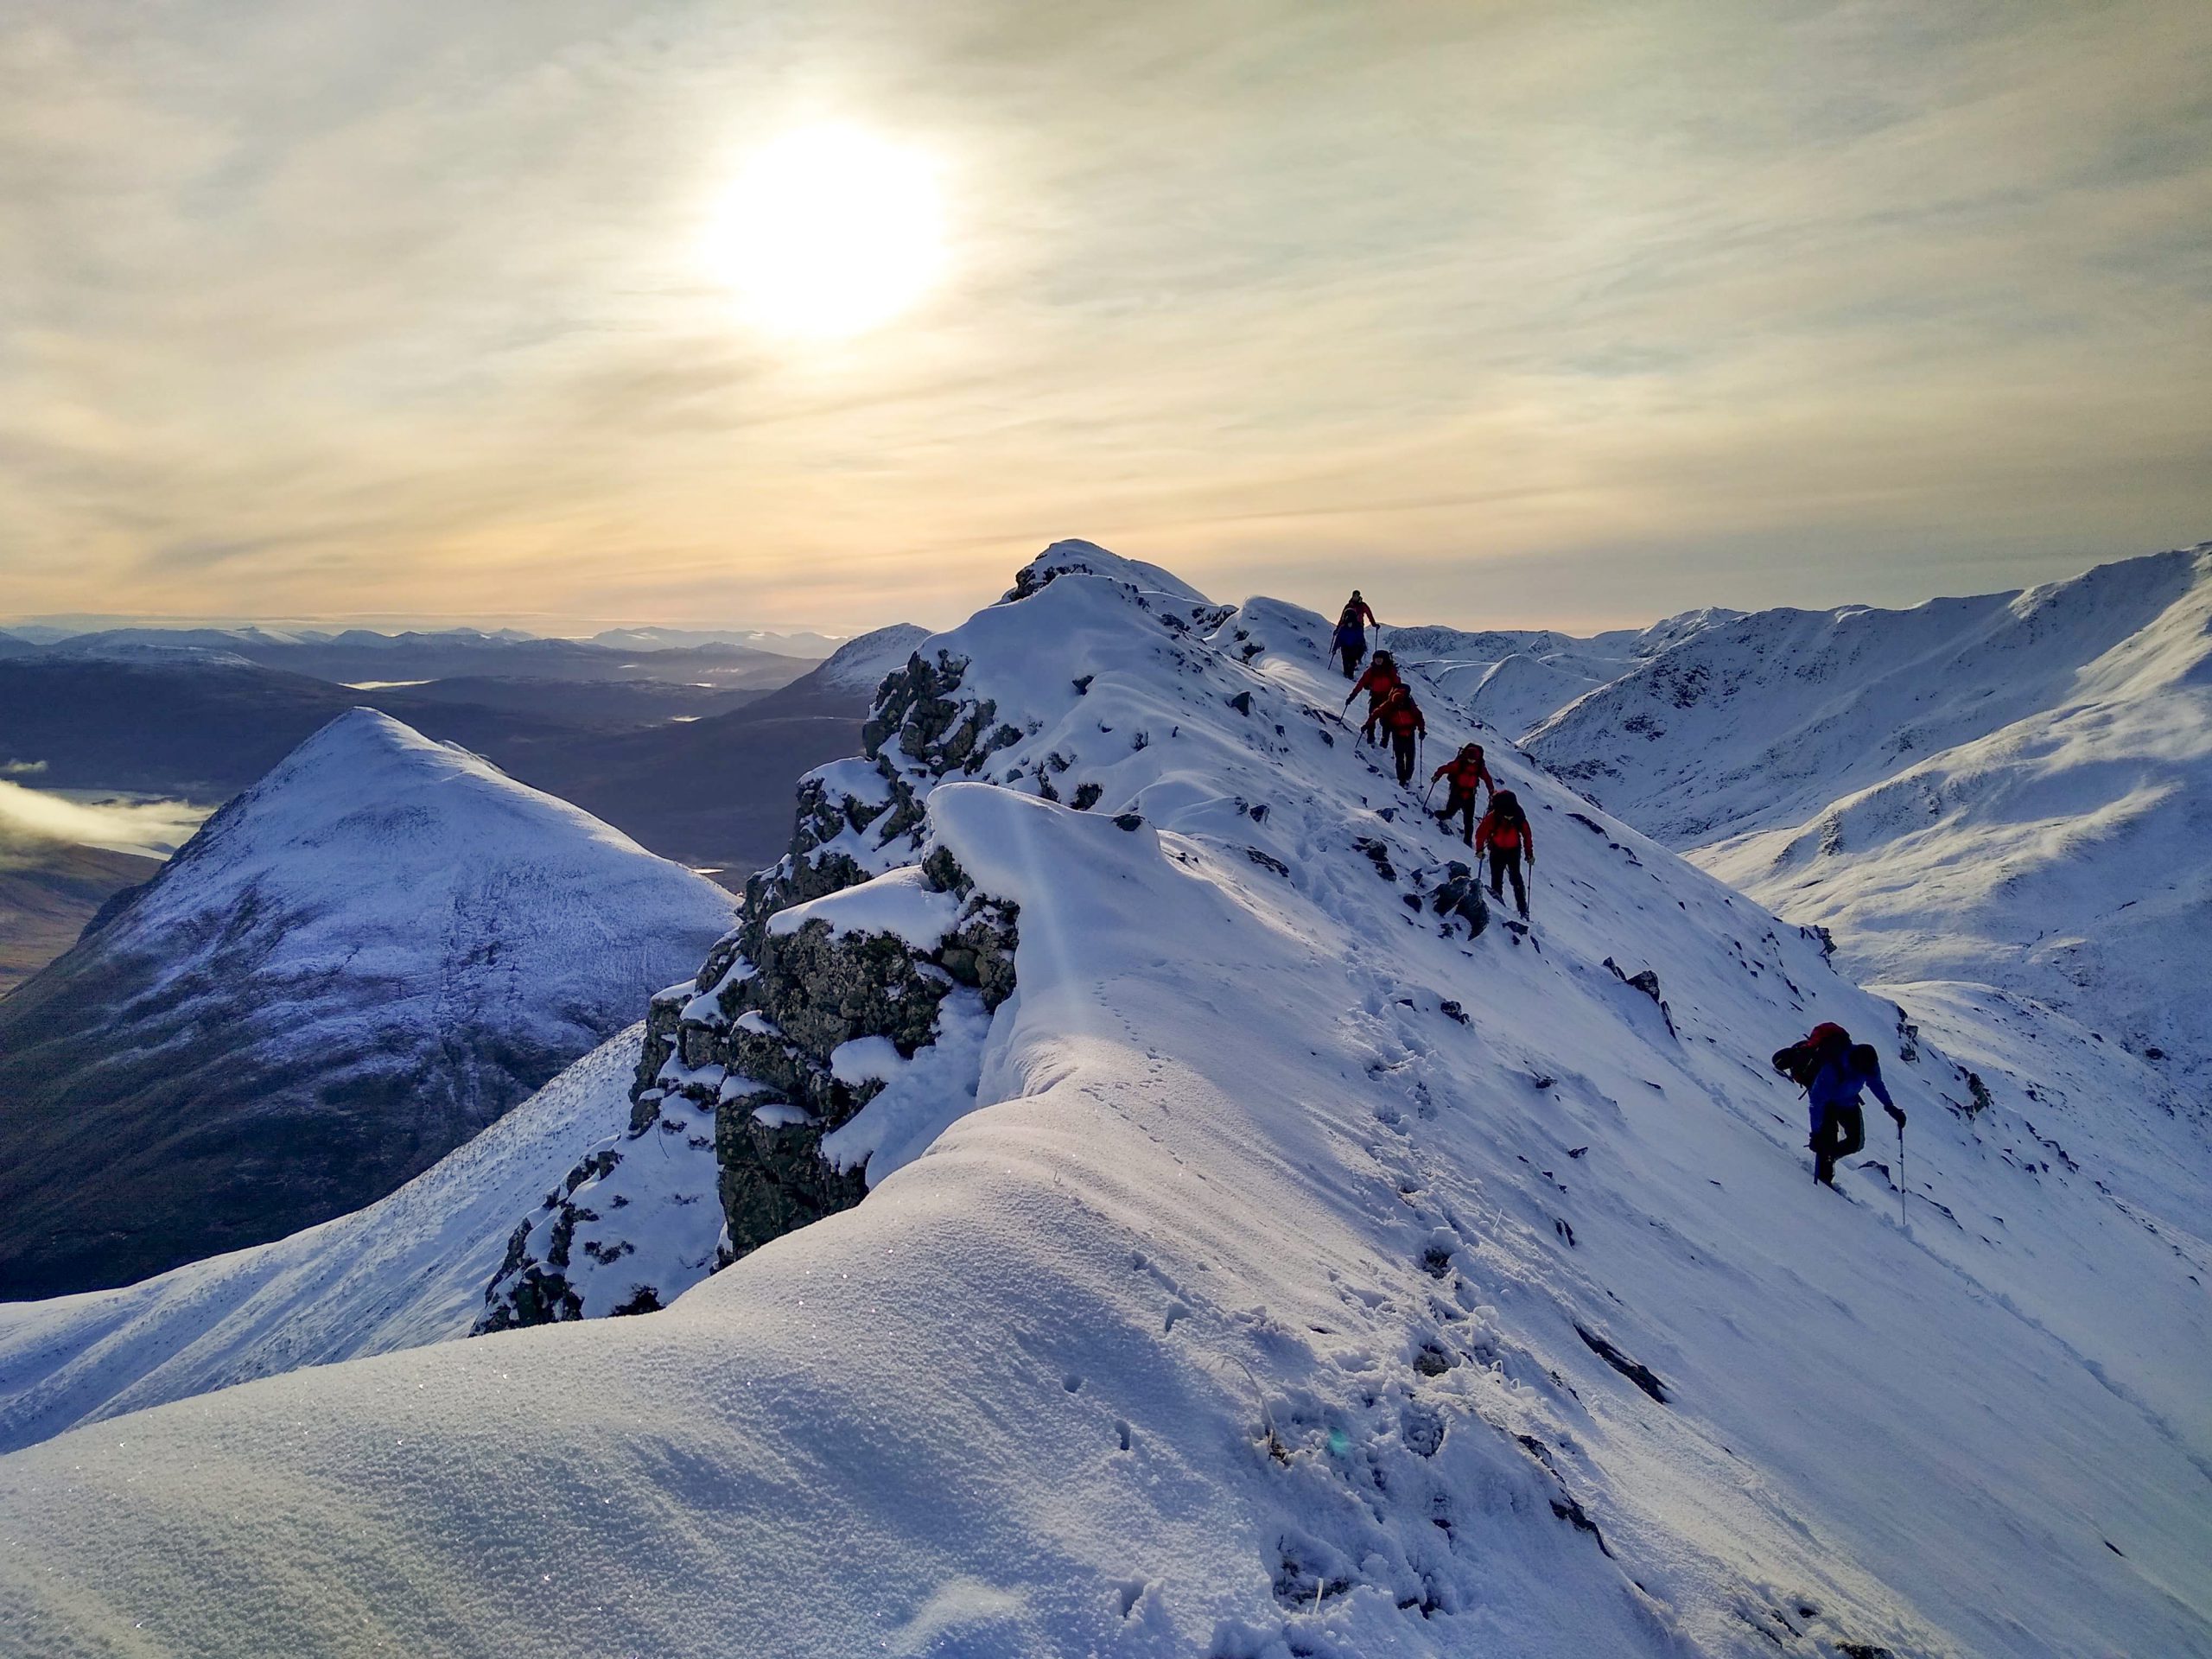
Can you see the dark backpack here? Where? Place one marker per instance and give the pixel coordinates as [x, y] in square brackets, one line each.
[1802, 1061]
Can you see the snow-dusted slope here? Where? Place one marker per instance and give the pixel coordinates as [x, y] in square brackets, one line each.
[1514, 679]
[858, 663]
[409, 1269]
[351, 969]
[2066, 856]
[2009, 791]
[1315, 1275]
[1760, 722]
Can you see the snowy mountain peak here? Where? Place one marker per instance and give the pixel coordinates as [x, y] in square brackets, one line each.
[1088, 558]
[349, 969]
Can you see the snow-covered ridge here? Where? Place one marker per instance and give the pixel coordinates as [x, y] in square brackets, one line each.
[860, 662]
[1313, 1273]
[1757, 722]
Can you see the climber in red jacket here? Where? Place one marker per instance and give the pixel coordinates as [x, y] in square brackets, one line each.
[1379, 680]
[1400, 717]
[1506, 836]
[1466, 770]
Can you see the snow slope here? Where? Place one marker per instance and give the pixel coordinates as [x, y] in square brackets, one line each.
[1759, 722]
[2009, 791]
[349, 970]
[1514, 679]
[411, 1268]
[858, 663]
[1315, 1275]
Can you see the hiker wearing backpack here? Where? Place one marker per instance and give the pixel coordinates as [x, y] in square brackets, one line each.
[1400, 717]
[1833, 1071]
[1506, 836]
[1466, 770]
[1379, 679]
[1350, 641]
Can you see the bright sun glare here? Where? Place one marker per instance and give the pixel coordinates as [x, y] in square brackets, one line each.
[829, 231]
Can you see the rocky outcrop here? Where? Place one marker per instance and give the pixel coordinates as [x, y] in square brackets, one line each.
[630, 1228]
[740, 1078]
[760, 1030]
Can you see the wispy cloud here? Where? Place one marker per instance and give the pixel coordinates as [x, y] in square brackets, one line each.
[330, 305]
[154, 828]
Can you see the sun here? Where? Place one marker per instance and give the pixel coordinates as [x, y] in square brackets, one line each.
[829, 232]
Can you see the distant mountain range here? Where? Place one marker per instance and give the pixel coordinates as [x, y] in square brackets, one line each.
[359, 655]
[802, 643]
[696, 759]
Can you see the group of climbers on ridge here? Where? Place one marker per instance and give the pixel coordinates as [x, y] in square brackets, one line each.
[1833, 1070]
[1504, 834]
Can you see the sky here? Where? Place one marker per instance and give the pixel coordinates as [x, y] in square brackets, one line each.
[1543, 314]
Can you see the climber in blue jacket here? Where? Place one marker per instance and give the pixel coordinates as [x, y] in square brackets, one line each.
[1839, 1125]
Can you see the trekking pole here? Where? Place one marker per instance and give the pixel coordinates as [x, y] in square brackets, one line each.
[1900, 1220]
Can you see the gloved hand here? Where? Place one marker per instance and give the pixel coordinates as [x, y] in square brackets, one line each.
[1897, 1113]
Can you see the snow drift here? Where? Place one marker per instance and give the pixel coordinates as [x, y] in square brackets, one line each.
[1316, 1271]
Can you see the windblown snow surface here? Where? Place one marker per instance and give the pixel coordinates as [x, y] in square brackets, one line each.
[860, 662]
[1313, 1278]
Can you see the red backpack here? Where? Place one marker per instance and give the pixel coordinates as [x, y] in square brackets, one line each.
[1802, 1061]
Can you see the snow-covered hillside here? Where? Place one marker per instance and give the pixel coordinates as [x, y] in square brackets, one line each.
[349, 970]
[1315, 1271]
[411, 1268]
[858, 663]
[1759, 722]
[2008, 790]
[1513, 679]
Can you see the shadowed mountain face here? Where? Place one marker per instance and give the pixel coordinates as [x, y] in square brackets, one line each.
[351, 968]
[713, 793]
[48, 890]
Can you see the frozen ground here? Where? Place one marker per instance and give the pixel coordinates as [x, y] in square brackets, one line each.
[1314, 1276]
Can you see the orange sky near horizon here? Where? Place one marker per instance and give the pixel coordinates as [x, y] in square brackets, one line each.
[1511, 314]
